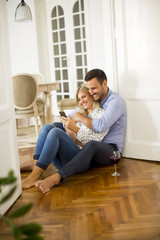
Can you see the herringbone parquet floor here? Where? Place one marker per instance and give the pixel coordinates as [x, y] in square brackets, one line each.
[96, 206]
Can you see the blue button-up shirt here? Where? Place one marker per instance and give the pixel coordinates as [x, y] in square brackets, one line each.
[113, 118]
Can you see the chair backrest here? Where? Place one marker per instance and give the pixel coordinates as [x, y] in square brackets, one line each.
[25, 89]
[67, 103]
[39, 77]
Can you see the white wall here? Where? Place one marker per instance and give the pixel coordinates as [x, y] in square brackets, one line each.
[42, 39]
[22, 41]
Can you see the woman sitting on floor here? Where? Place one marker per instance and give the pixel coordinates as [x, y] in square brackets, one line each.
[58, 147]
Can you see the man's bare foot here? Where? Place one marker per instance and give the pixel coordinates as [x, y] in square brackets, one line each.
[32, 178]
[46, 184]
[27, 166]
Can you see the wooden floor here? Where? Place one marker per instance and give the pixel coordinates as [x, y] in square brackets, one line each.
[96, 206]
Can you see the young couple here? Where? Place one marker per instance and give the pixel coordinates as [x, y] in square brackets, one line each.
[89, 136]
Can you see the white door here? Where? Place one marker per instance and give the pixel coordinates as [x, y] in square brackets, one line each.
[8, 142]
[137, 35]
[68, 50]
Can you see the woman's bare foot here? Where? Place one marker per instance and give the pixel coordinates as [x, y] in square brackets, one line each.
[32, 178]
[27, 166]
[46, 184]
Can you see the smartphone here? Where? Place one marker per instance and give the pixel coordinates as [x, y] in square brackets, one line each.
[62, 113]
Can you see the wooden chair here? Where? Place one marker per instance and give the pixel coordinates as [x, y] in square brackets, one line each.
[66, 104]
[39, 77]
[26, 102]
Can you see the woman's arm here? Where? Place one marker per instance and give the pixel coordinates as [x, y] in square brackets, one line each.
[71, 132]
[70, 124]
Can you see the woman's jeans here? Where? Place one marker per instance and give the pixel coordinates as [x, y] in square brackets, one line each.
[55, 146]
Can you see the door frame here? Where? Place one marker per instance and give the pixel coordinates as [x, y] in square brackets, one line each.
[8, 138]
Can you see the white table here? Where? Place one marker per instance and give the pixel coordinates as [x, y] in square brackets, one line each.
[47, 88]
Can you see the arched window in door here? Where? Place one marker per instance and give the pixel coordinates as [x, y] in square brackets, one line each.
[80, 41]
[60, 51]
[69, 50]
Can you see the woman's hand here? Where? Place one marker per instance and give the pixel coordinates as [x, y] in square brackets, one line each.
[70, 133]
[70, 123]
[78, 142]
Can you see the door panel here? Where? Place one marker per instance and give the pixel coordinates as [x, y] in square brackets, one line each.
[138, 57]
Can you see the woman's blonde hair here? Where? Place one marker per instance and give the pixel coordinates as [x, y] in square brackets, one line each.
[81, 110]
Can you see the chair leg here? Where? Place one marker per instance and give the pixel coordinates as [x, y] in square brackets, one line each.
[42, 120]
[37, 127]
[17, 123]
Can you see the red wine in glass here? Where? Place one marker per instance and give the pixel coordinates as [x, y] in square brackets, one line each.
[115, 158]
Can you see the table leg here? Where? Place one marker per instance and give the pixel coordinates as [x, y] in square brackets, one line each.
[49, 108]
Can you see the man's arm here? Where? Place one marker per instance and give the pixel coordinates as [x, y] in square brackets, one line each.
[81, 118]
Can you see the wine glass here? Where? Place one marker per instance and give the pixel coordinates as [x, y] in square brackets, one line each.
[115, 156]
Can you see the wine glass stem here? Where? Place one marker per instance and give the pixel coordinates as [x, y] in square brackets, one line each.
[115, 168]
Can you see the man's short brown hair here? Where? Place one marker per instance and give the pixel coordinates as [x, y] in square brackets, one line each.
[96, 73]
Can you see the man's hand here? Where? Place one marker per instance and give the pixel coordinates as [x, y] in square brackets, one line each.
[77, 117]
[81, 118]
